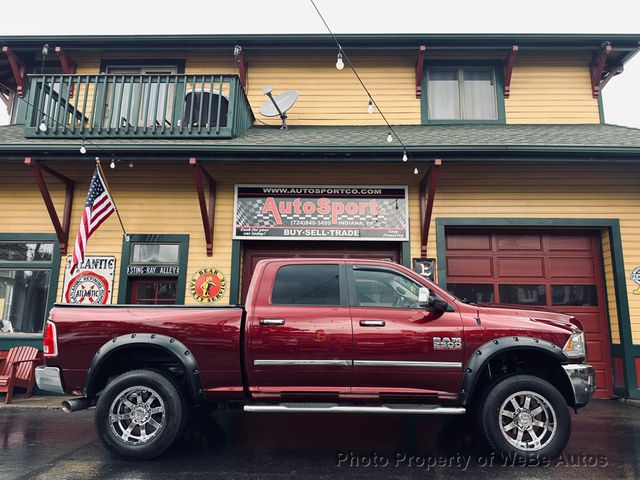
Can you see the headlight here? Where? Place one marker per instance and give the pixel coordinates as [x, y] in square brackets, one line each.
[575, 346]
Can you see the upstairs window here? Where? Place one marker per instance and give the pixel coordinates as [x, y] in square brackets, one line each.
[462, 94]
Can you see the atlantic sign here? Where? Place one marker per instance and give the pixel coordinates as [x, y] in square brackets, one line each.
[92, 283]
[321, 212]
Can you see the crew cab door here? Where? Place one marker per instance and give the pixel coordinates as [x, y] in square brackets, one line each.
[299, 338]
[400, 348]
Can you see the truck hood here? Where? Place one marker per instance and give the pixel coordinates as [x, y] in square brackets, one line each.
[532, 314]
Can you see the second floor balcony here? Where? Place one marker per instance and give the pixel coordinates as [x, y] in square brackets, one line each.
[136, 106]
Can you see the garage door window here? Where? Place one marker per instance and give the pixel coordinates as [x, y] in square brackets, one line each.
[473, 293]
[574, 295]
[523, 294]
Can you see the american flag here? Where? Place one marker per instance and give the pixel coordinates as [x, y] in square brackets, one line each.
[97, 209]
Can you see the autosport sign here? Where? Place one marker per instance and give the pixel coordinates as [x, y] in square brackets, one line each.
[321, 212]
[92, 283]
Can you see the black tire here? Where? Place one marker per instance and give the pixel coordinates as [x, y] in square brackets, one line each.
[156, 426]
[554, 416]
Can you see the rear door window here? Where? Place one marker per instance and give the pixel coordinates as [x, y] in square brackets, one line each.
[307, 285]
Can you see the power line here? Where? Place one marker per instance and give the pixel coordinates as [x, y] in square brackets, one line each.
[341, 52]
[355, 72]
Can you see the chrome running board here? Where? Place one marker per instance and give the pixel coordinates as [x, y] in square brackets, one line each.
[337, 408]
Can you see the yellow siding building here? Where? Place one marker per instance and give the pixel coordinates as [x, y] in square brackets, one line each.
[536, 199]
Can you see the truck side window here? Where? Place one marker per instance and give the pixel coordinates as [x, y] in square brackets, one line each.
[307, 285]
[382, 288]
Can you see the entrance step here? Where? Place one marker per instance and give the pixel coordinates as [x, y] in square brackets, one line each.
[340, 408]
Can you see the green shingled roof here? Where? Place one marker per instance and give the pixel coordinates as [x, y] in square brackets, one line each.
[434, 139]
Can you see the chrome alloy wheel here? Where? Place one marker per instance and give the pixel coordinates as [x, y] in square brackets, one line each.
[528, 421]
[137, 415]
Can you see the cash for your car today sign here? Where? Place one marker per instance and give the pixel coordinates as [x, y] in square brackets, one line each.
[91, 283]
[321, 212]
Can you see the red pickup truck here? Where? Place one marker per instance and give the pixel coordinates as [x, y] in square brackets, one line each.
[322, 335]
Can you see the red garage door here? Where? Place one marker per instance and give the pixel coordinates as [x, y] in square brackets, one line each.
[561, 271]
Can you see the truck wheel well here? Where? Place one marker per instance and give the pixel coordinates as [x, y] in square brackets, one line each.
[136, 357]
[528, 362]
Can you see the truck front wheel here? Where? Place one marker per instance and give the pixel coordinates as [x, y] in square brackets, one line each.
[526, 417]
[140, 414]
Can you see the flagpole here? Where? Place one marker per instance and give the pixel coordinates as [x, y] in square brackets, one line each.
[106, 185]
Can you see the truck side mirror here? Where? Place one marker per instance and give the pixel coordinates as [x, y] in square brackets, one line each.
[430, 302]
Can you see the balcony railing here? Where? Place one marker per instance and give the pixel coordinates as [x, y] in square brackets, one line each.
[122, 106]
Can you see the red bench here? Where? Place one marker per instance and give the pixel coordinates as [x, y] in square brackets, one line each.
[17, 370]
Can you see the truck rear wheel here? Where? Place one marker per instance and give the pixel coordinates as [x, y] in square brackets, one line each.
[526, 417]
[140, 414]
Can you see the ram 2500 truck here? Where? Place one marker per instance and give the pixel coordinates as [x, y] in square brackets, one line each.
[322, 335]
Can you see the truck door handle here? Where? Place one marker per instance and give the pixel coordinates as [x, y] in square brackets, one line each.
[272, 321]
[372, 323]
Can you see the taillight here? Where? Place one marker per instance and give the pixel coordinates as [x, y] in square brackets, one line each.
[50, 340]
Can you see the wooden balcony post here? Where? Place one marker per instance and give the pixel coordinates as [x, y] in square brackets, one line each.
[69, 66]
[18, 68]
[508, 69]
[420, 70]
[208, 214]
[428, 187]
[62, 229]
[597, 67]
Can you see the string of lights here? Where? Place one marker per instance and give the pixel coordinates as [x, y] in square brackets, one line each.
[371, 103]
[43, 128]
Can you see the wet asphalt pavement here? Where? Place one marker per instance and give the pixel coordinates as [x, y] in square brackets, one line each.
[46, 444]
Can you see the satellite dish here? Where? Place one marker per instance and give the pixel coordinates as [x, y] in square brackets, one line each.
[278, 105]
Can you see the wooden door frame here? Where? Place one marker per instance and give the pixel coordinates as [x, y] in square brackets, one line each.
[155, 281]
[284, 247]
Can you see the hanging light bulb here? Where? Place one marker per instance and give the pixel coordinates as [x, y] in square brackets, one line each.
[404, 156]
[112, 164]
[389, 138]
[370, 106]
[45, 49]
[43, 126]
[415, 171]
[83, 149]
[339, 62]
[131, 164]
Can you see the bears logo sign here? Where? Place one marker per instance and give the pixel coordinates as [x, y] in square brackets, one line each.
[208, 285]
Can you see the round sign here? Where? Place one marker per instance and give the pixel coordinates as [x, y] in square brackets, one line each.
[207, 285]
[635, 276]
[87, 288]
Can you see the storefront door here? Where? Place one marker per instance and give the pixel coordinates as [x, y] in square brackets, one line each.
[154, 291]
[260, 250]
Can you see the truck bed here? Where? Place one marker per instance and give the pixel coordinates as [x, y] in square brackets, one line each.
[212, 335]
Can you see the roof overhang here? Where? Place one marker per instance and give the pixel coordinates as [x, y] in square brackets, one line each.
[364, 41]
[28, 47]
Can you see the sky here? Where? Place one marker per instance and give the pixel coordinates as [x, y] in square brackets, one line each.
[621, 96]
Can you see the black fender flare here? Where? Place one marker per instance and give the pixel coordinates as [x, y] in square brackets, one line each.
[171, 345]
[483, 354]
